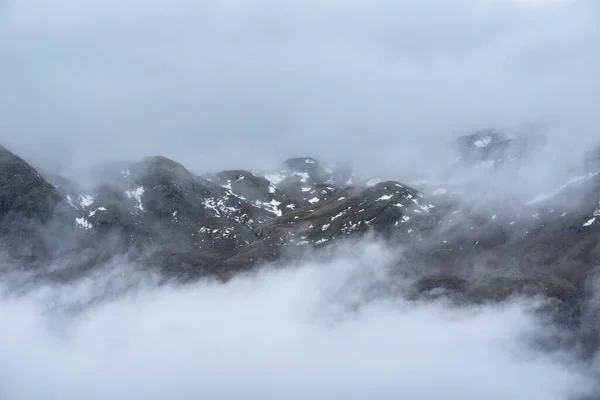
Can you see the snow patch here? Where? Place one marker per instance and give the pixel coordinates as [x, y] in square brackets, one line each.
[274, 178]
[84, 223]
[590, 222]
[92, 213]
[385, 197]
[85, 200]
[303, 175]
[137, 195]
[70, 201]
[273, 206]
[221, 209]
[596, 212]
[338, 215]
[425, 207]
[485, 142]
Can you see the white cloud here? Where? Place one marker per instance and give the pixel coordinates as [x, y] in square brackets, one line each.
[284, 334]
[204, 82]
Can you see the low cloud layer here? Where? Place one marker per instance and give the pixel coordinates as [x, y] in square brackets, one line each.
[281, 334]
[246, 84]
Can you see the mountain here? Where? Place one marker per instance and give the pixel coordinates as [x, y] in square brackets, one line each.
[32, 211]
[184, 226]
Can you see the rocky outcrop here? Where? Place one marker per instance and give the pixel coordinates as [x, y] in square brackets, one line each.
[159, 207]
[259, 191]
[383, 209]
[497, 288]
[492, 148]
[31, 210]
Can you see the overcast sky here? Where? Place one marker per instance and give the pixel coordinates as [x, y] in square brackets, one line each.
[229, 84]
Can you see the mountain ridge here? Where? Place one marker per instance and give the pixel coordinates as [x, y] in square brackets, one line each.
[188, 226]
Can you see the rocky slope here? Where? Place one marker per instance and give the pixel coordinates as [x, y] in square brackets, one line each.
[186, 226]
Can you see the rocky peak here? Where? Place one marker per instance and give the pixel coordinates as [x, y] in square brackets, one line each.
[159, 167]
[303, 164]
[248, 185]
[492, 148]
[302, 170]
[30, 208]
[23, 190]
[258, 191]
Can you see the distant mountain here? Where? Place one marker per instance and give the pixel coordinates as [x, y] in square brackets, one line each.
[186, 226]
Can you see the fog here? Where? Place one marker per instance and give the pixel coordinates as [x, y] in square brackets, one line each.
[236, 84]
[294, 333]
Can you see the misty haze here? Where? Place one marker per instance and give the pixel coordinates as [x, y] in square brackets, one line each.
[314, 200]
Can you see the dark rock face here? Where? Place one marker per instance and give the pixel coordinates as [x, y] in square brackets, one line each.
[24, 192]
[30, 208]
[305, 179]
[499, 288]
[352, 212]
[561, 296]
[159, 205]
[305, 164]
[259, 191]
[442, 284]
